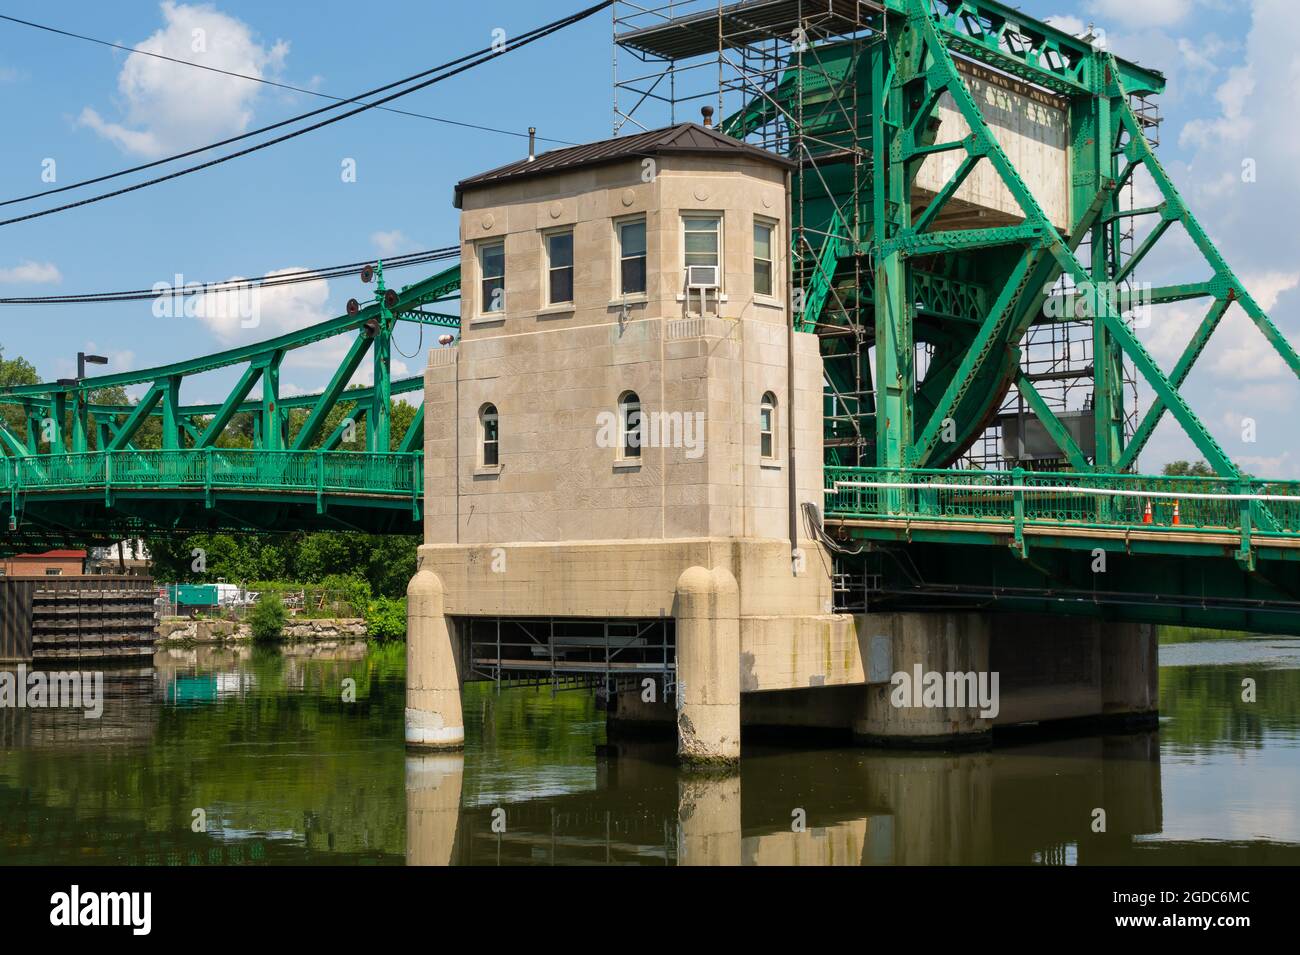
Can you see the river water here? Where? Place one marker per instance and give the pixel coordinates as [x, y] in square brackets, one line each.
[246, 756]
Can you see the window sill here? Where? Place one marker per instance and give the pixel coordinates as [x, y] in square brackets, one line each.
[483, 471]
[556, 311]
[628, 465]
[681, 297]
[769, 301]
[770, 464]
[496, 318]
[640, 298]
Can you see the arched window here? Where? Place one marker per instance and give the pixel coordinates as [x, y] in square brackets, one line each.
[489, 437]
[767, 426]
[630, 425]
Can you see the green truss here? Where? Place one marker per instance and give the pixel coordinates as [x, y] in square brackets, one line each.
[62, 413]
[875, 271]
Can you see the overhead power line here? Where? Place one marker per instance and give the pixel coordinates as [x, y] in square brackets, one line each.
[256, 79]
[443, 72]
[267, 281]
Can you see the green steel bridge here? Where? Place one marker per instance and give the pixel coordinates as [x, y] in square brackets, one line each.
[879, 278]
[75, 474]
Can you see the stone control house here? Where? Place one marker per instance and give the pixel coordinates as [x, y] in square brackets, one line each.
[628, 427]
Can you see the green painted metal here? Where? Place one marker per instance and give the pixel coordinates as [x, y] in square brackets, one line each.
[372, 328]
[971, 295]
[1182, 509]
[70, 488]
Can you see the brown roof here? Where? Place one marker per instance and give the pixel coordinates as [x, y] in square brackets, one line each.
[684, 138]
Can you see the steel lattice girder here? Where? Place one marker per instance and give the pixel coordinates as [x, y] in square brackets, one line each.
[372, 324]
[910, 67]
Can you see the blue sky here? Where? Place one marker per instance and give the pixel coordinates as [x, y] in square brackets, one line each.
[1232, 65]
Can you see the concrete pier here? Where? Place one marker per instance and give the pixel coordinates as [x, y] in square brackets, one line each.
[433, 713]
[1013, 669]
[912, 643]
[708, 666]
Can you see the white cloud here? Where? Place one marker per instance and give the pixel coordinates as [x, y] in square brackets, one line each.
[252, 314]
[1071, 25]
[240, 317]
[1141, 13]
[389, 243]
[31, 273]
[167, 106]
[1243, 352]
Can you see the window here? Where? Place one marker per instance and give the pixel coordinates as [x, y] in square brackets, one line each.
[629, 416]
[763, 258]
[559, 257]
[53, 572]
[490, 436]
[631, 245]
[703, 242]
[767, 426]
[492, 271]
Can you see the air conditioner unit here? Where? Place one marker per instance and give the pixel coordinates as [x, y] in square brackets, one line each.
[701, 276]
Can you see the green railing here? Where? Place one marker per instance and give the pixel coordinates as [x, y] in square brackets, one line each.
[214, 469]
[1101, 501]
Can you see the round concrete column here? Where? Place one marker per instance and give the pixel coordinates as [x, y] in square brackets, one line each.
[708, 666]
[433, 714]
[432, 806]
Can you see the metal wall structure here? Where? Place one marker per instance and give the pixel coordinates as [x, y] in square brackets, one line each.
[43, 619]
[16, 619]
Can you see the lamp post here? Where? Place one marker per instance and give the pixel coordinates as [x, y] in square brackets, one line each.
[80, 441]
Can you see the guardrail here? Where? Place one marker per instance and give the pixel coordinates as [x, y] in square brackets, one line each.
[214, 469]
[1020, 498]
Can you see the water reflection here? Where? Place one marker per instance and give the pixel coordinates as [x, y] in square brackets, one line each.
[288, 769]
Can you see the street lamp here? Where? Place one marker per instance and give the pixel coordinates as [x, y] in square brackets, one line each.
[82, 418]
[83, 360]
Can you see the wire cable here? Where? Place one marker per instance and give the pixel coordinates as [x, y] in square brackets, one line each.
[444, 71]
[267, 281]
[258, 79]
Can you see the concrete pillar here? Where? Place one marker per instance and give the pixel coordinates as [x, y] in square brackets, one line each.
[433, 714]
[1130, 670]
[916, 647]
[708, 666]
[708, 819]
[433, 784]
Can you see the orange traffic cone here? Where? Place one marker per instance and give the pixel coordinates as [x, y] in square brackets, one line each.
[1176, 512]
[1146, 514]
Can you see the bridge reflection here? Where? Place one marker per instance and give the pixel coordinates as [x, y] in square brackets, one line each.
[1024, 804]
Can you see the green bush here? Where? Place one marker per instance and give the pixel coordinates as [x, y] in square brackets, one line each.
[355, 591]
[386, 619]
[267, 618]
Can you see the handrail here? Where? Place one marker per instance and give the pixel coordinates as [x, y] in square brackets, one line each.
[314, 472]
[1252, 508]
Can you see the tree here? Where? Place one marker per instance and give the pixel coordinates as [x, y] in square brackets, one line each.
[1188, 469]
[15, 371]
[267, 618]
[386, 619]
